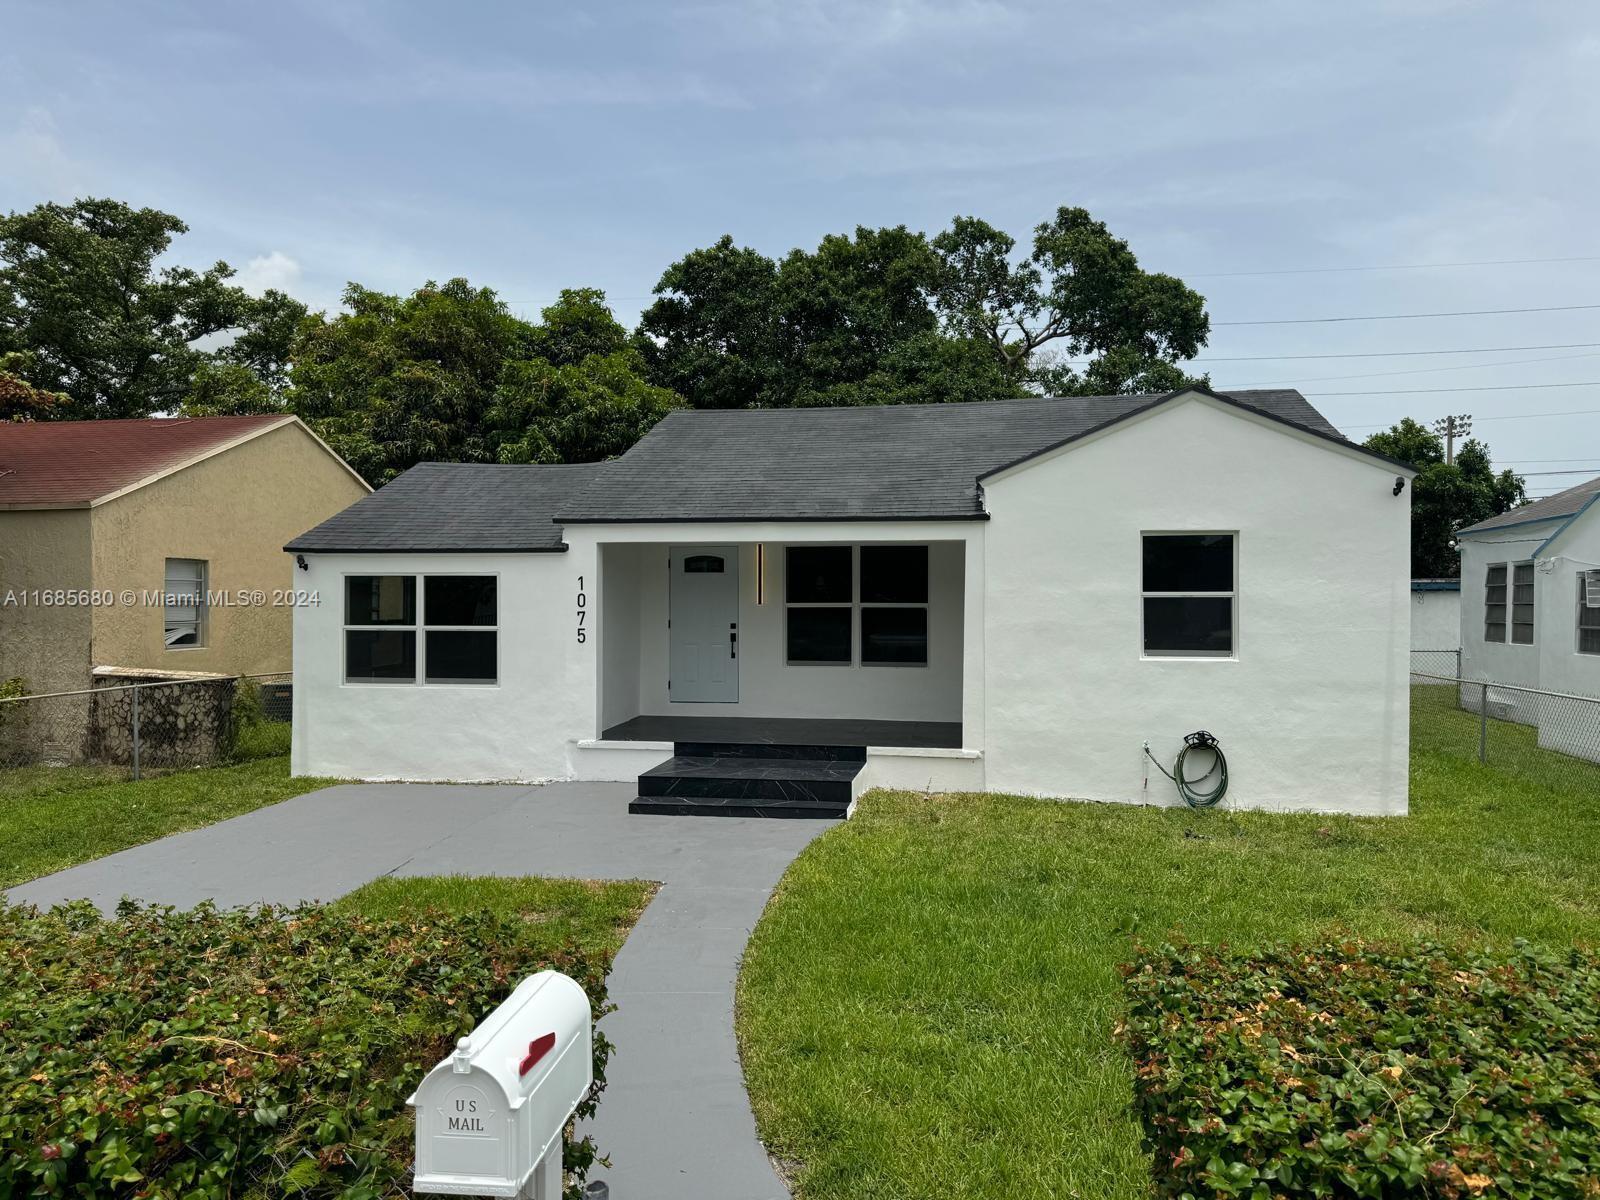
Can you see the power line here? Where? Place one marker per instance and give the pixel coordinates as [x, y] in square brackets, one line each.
[1573, 471]
[1571, 412]
[1544, 460]
[1487, 262]
[1504, 362]
[1496, 387]
[1477, 312]
[1380, 353]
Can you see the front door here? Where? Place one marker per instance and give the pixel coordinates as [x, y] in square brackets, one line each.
[703, 620]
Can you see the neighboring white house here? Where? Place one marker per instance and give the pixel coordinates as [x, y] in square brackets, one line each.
[1435, 627]
[1530, 610]
[772, 610]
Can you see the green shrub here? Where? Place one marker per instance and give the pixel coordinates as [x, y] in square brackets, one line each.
[1359, 1070]
[247, 1053]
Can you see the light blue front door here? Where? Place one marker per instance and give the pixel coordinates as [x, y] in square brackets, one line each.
[703, 608]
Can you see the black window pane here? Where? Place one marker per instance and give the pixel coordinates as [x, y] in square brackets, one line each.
[819, 635]
[459, 599]
[894, 574]
[1188, 625]
[894, 635]
[380, 600]
[380, 654]
[817, 574]
[703, 564]
[461, 657]
[1188, 562]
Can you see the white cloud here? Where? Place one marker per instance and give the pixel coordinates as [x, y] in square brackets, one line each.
[35, 154]
[275, 270]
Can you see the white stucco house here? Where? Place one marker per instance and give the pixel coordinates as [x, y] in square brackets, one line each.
[769, 611]
[1435, 628]
[1530, 610]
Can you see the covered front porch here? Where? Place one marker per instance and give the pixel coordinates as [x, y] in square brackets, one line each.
[783, 677]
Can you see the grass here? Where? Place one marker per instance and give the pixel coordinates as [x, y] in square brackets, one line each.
[597, 914]
[926, 1007]
[55, 817]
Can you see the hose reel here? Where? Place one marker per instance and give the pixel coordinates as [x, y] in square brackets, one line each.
[1190, 789]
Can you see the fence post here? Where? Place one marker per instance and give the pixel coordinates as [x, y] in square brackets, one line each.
[1458, 666]
[135, 697]
[1483, 723]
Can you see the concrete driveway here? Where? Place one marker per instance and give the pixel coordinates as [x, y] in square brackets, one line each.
[675, 1118]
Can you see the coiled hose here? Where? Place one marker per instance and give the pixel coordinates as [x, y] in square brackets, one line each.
[1188, 788]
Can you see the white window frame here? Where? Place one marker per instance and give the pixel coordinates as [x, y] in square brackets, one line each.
[418, 629]
[1505, 602]
[1530, 604]
[202, 613]
[1593, 614]
[1229, 655]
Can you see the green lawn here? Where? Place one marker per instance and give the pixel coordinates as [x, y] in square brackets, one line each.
[54, 817]
[926, 1007]
[597, 914]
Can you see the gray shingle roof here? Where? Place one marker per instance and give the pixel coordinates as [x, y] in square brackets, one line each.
[908, 462]
[456, 506]
[1562, 504]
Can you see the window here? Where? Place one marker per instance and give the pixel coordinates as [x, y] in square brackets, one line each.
[185, 603]
[703, 564]
[818, 589]
[1188, 591]
[459, 627]
[1522, 604]
[1494, 603]
[380, 636]
[460, 618]
[1589, 612]
[824, 592]
[894, 604]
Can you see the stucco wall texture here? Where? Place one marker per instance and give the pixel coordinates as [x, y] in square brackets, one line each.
[233, 510]
[1040, 612]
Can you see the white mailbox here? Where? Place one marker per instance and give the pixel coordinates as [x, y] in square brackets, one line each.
[490, 1117]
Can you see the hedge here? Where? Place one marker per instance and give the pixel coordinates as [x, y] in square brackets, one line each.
[261, 1052]
[1352, 1069]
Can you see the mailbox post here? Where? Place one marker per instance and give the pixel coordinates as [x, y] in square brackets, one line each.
[490, 1117]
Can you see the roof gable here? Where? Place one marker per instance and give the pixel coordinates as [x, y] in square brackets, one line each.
[890, 462]
[1563, 506]
[78, 464]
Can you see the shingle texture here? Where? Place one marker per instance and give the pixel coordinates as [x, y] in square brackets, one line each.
[911, 462]
[456, 506]
[1562, 504]
[71, 464]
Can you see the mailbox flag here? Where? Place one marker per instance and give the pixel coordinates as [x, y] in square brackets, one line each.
[537, 1049]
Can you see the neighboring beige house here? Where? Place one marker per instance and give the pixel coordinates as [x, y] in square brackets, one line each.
[156, 545]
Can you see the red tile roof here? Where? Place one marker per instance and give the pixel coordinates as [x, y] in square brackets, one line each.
[71, 464]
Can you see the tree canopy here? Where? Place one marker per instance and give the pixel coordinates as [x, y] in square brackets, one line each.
[91, 317]
[1445, 496]
[888, 315]
[448, 374]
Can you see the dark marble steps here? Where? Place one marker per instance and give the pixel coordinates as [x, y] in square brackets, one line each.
[856, 754]
[748, 785]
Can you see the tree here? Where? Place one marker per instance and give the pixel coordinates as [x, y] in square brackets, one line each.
[81, 297]
[1079, 286]
[448, 374]
[888, 316]
[19, 399]
[1446, 497]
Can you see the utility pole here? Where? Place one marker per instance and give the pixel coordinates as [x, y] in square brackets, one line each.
[1450, 428]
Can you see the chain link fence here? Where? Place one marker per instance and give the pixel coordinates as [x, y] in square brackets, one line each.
[123, 730]
[1550, 737]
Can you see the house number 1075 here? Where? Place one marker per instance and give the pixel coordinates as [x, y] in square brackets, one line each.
[583, 604]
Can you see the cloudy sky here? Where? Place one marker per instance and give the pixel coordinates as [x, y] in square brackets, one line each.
[1261, 150]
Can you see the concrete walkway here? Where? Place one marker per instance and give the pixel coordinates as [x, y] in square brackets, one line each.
[675, 1118]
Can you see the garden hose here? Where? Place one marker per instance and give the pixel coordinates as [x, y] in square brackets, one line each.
[1189, 788]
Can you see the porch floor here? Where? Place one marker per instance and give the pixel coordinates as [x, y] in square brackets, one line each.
[787, 731]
